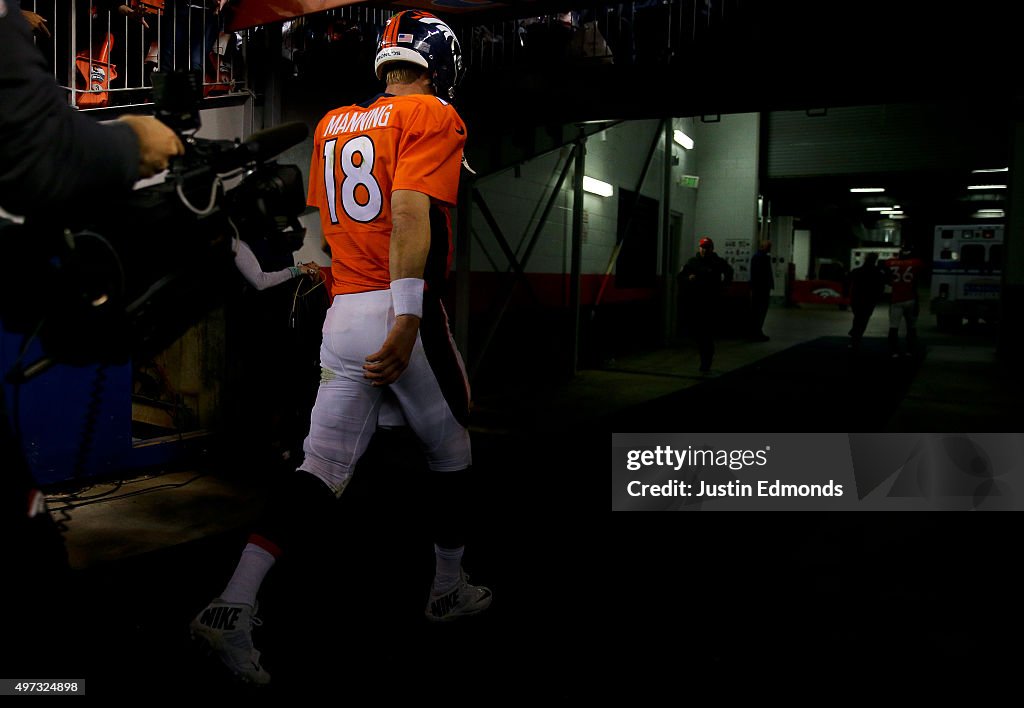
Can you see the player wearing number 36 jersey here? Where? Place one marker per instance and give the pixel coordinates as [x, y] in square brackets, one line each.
[382, 175]
[903, 305]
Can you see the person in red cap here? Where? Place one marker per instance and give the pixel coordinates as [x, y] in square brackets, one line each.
[704, 277]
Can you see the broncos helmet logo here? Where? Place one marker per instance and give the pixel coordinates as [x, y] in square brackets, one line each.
[419, 37]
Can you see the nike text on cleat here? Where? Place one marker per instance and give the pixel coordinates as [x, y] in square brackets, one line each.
[460, 601]
[226, 629]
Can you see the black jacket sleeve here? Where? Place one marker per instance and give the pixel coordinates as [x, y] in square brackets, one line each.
[726, 270]
[51, 156]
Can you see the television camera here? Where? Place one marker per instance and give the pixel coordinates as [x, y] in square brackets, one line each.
[130, 279]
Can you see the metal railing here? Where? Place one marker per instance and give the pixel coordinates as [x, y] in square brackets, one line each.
[106, 57]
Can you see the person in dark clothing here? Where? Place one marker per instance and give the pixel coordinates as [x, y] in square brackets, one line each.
[52, 161]
[275, 356]
[52, 156]
[704, 279]
[867, 283]
[761, 284]
[188, 33]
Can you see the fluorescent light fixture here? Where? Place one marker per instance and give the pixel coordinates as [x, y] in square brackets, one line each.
[880, 208]
[867, 189]
[890, 212]
[989, 214]
[986, 186]
[683, 139]
[995, 169]
[596, 186]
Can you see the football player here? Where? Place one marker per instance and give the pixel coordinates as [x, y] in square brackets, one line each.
[383, 175]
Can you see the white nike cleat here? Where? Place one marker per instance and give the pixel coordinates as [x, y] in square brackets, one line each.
[460, 601]
[226, 628]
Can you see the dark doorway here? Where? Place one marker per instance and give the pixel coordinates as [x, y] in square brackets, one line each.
[637, 266]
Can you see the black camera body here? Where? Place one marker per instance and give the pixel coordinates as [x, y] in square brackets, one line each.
[131, 280]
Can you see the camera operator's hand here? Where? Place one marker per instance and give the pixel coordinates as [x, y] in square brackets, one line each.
[157, 144]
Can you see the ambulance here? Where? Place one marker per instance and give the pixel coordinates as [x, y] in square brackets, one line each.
[967, 268]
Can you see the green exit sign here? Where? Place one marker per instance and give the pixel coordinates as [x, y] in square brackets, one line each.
[690, 181]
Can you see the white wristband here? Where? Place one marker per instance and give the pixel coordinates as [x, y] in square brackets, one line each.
[407, 296]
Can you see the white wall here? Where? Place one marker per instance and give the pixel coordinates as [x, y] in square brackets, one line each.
[616, 156]
[226, 122]
[684, 199]
[517, 203]
[311, 250]
[802, 253]
[727, 153]
[781, 235]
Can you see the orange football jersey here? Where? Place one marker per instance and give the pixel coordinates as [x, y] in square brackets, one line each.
[903, 277]
[361, 154]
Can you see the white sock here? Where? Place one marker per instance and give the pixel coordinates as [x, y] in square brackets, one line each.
[449, 566]
[245, 583]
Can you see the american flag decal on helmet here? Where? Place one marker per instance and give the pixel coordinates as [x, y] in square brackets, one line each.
[405, 38]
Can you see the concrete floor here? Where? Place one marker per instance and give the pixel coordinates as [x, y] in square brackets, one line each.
[579, 587]
[959, 385]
